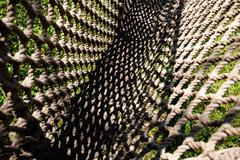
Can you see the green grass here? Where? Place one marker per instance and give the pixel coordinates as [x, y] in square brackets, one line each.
[191, 153]
[23, 69]
[152, 132]
[204, 134]
[60, 123]
[210, 68]
[187, 127]
[13, 42]
[233, 90]
[34, 90]
[2, 96]
[236, 120]
[187, 102]
[215, 86]
[31, 45]
[225, 49]
[228, 142]
[220, 112]
[160, 138]
[201, 107]
[228, 67]
[199, 85]
[218, 38]
[21, 16]
[10, 69]
[151, 154]
[197, 69]
[236, 51]
[236, 33]
[3, 8]
[174, 144]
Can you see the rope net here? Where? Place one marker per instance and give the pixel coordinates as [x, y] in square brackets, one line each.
[103, 79]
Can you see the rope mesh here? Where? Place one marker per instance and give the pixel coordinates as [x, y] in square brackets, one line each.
[100, 79]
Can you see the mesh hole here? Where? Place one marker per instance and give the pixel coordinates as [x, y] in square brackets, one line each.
[3, 9]
[10, 69]
[150, 155]
[174, 120]
[215, 86]
[199, 84]
[233, 90]
[13, 43]
[56, 13]
[21, 16]
[187, 102]
[228, 67]
[37, 26]
[236, 120]
[201, 107]
[228, 142]
[174, 144]
[31, 45]
[191, 153]
[220, 112]
[2, 97]
[187, 127]
[23, 71]
[204, 134]
[50, 31]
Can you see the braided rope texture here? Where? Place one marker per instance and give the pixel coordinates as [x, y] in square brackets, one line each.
[48, 48]
[89, 79]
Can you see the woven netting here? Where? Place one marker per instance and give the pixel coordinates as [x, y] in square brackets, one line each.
[100, 79]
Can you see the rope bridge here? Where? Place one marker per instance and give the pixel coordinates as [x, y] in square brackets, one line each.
[109, 79]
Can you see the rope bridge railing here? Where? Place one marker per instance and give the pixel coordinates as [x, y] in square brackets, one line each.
[93, 79]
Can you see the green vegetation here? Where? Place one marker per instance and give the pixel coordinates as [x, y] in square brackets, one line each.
[187, 102]
[199, 85]
[24, 68]
[228, 142]
[201, 107]
[236, 120]
[13, 42]
[151, 154]
[218, 38]
[226, 48]
[60, 123]
[197, 69]
[220, 112]
[204, 134]
[191, 153]
[233, 90]
[21, 16]
[175, 119]
[174, 144]
[3, 8]
[160, 138]
[236, 51]
[187, 127]
[37, 26]
[215, 86]
[153, 131]
[228, 67]
[211, 68]
[2, 96]
[10, 69]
